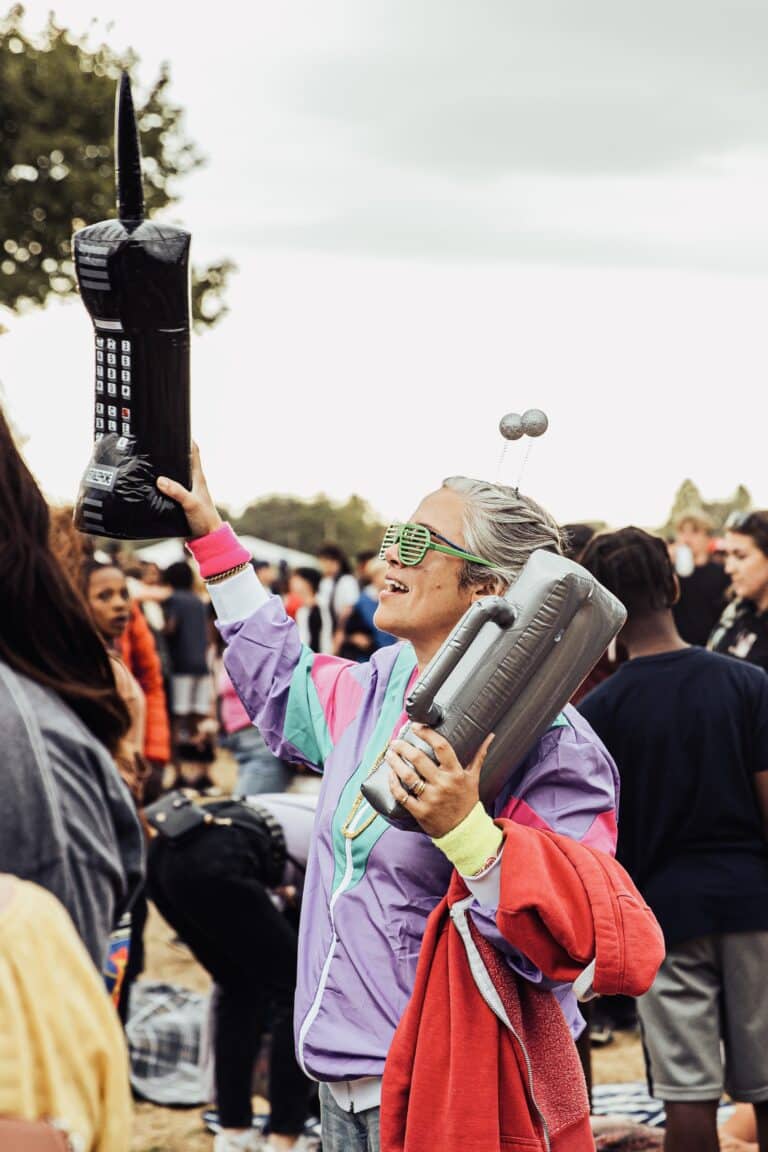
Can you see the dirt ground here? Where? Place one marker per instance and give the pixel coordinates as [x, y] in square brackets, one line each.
[181, 1129]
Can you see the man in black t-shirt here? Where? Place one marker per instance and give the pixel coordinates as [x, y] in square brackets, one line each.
[689, 732]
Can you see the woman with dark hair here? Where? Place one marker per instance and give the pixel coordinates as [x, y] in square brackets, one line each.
[742, 630]
[138, 670]
[67, 821]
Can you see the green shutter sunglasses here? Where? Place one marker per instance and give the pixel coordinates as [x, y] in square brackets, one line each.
[413, 541]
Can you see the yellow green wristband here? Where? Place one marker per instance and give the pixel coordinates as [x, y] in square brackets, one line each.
[471, 845]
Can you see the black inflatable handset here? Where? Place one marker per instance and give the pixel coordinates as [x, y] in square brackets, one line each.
[134, 281]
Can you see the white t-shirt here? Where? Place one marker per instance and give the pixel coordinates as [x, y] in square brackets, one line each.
[344, 590]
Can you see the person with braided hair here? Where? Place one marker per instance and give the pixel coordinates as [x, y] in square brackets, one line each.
[688, 729]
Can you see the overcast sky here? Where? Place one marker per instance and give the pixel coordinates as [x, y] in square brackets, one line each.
[442, 211]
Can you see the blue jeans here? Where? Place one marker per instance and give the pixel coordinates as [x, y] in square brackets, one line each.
[347, 1131]
[258, 770]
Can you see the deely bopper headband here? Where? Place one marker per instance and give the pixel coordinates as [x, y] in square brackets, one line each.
[134, 280]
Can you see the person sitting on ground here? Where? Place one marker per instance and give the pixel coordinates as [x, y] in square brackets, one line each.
[689, 732]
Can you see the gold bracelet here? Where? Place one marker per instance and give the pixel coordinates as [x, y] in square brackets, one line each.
[230, 572]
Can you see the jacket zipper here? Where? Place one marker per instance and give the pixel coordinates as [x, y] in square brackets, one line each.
[491, 996]
[309, 1019]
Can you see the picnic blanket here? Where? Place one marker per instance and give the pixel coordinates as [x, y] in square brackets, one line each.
[165, 1031]
[632, 1101]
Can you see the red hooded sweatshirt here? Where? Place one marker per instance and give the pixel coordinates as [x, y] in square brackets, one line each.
[483, 1061]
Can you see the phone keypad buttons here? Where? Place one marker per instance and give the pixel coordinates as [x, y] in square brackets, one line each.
[110, 349]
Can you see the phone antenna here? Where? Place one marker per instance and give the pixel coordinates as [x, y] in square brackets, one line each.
[130, 195]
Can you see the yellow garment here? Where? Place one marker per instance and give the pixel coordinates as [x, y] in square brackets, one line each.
[472, 843]
[62, 1051]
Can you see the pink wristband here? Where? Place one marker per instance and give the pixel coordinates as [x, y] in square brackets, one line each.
[218, 552]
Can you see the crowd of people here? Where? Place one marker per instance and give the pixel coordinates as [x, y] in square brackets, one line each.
[356, 944]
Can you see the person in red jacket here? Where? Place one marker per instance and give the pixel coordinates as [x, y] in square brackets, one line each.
[136, 645]
[127, 636]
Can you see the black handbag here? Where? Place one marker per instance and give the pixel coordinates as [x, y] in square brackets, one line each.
[183, 813]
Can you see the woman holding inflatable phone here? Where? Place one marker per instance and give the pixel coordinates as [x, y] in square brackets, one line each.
[371, 887]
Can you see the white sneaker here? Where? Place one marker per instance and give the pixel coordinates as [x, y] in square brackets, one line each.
[242, 1142]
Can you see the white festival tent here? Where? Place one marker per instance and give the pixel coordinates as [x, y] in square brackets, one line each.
[166, 552]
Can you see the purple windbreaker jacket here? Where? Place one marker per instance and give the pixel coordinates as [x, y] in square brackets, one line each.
[368, 892]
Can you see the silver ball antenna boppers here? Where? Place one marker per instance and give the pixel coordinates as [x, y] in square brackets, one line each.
[513, 426]
[533, 422]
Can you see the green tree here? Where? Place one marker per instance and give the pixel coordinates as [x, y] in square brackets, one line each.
[306, 524]
[57, 100]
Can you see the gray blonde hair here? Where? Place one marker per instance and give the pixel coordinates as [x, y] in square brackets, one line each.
[503, 527]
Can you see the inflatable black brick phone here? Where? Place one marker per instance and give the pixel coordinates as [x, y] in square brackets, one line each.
[134, 281]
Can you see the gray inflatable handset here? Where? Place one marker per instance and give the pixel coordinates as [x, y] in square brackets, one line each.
[509, 667]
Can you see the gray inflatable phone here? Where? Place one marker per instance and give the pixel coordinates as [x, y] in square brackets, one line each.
[509, 666]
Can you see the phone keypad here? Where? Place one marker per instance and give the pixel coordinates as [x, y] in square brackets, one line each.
[113, 351]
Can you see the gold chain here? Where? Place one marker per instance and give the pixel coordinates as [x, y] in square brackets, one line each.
[358, 801]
